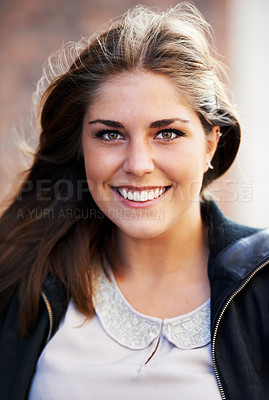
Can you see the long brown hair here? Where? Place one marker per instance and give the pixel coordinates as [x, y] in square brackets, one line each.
[53, 227]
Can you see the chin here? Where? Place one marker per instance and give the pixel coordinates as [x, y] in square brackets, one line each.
[142, 233]
[142, 229]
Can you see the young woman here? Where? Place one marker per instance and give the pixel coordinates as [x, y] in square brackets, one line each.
[134, 285]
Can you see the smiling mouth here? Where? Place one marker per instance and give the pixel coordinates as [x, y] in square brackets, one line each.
[141, 195]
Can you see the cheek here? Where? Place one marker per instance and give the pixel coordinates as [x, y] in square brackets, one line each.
[185, 165]
[185, 168]
[100, 164]
[96, 175]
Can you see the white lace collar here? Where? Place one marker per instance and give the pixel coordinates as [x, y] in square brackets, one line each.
[134, 330]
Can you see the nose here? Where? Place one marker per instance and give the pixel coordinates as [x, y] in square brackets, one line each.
[138, 160]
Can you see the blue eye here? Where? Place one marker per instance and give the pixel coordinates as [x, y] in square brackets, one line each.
[169, 134]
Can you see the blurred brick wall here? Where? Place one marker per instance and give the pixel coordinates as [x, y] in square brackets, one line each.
[30, 30]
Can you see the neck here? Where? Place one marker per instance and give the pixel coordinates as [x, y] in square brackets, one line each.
[181, 251]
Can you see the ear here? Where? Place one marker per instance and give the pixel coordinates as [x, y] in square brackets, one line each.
[211, 145]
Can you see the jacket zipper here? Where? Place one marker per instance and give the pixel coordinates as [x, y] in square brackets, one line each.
[218, 322]
[49, 309]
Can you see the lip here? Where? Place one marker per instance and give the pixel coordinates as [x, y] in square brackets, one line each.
[139, 204]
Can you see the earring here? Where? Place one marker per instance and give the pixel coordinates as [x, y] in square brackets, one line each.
[219, 133]
[210, 166]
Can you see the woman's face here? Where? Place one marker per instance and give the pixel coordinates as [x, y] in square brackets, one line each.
[145, 154]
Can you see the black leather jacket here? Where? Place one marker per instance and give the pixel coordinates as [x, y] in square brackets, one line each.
[238, 271]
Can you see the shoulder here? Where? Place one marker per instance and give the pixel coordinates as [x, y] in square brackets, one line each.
[230, 237]
[236, 251]
[56, 294]
[238, 266]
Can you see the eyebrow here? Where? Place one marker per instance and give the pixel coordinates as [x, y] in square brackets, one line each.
[164, 122]
[107, 122]
[156, 124]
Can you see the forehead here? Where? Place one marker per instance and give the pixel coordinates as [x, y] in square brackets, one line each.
[139, 93]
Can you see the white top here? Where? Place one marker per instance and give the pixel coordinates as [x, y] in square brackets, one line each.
[122, 354]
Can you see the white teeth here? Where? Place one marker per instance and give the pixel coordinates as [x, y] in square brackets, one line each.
[151, 195]
[144, 196]
[124, 193]
[141, 195]
[130, 196]
[136, 196]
